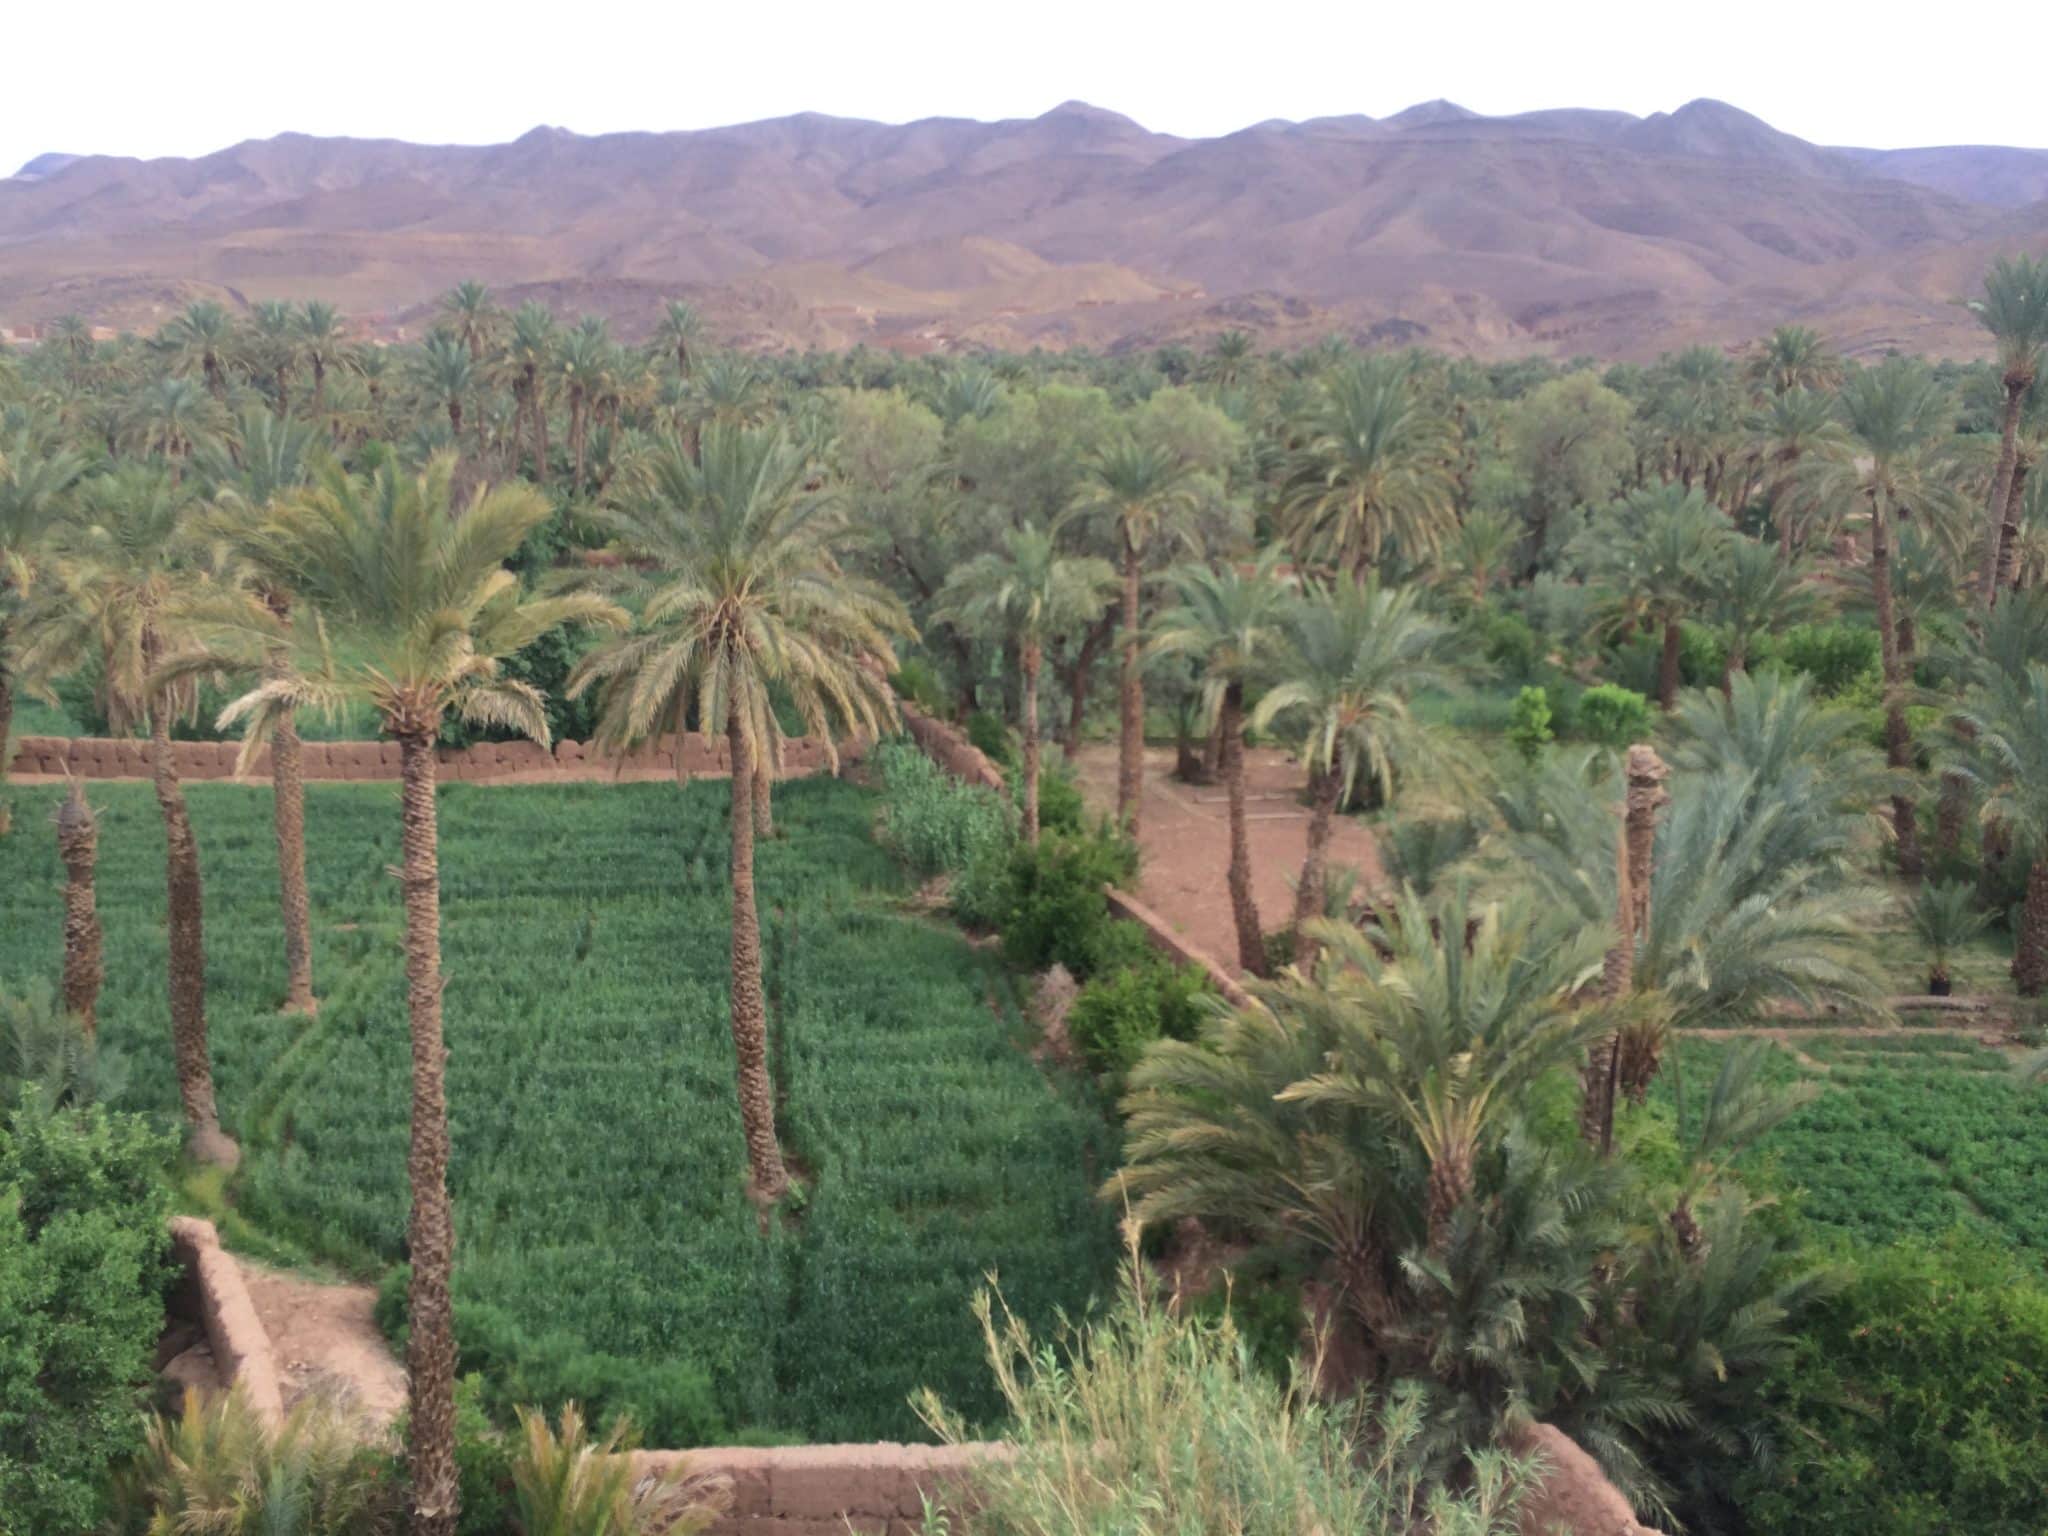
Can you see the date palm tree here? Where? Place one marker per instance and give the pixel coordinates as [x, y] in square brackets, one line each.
[1355, 654]
[274, 348]
[323, 344]
[734, 571]
[1232, 622]
[36, 478]
[129, 570]
[416, 612]
[2003, 748]
[1656, 554]
[1795, 357]
[531, 354]
[1024, 594]
[200, 341]
[2014, 310]
[1792, 425]
[472, 317]
[583, 364]
[1144, 489]
[1754, 591]
[1373, 469]
[681, 329]
[446, 376]
[174, 419]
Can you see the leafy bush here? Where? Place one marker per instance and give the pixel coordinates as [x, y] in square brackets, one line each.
[1150, 1423]
[1060, 806]
[987, 732]
[930, 820]
[1119, 1013]
[1508, 641]
[1612, 716]
[1834, 655]
[918, 681]
[82, 1279]
[1529, 723]
[1052, 910]
[565, 1483]
[1916, 1394]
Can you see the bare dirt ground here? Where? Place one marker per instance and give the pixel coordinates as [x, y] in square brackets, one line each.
[1184, 833]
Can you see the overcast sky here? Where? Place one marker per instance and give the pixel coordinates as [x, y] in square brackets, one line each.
[155, 79]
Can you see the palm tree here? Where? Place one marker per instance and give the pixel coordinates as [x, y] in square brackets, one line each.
[129, 570]
[1373, 468]
[1143, 488]
[1899, 416]
[1229, 359]
[416, 611]
[1751, 592]
[735, 573]
[447, 376]
[1024, 594]
[2014, 310]
[2003, 748]
[532, 353]
[681, 329]
[1793, 425]
[1355, 654]
[1230, 621]
[175, 419]
[471, 316]
[35, 480]
[1795, 357]
[583, 363]
[1655, 553]
[275, 349]
[323, 344]
[199, 341]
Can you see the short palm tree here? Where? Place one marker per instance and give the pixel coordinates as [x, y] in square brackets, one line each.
[415, 612]
[35, 480]
[734, 571]
[1656, 554]
[1754, 591]
[2014, 310]
[1143, 487]
[2004, 749]
[1232, 622]
[1026, 593]
[1355, 654]
[1373, 469]
[129, 573]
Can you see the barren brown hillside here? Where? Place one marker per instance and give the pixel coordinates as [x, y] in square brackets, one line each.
[1563, 232]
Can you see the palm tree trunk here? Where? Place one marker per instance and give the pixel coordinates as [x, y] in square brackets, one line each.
[1898, 741]
[1244, 906]
[319, 384]
[764, 799]
[1028, 658]
[2001, 486]
[288, 813]
[1078, 677]
[6, 729]
[78, 845]
[2009, 526]
[2030, 959]
[187, 923]
[430, 1230]
[1667, 668]
[1325, 788]
[749, 1008]
[579, 427]
[1951, 810]
[1130, 756]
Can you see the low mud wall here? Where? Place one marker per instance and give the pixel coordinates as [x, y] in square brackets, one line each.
[949, 749]
[830, 1490]
[1176, 948]
[234, 1332]
[93, 757]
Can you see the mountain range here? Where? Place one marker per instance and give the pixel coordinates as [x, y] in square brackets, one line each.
[1568, 232]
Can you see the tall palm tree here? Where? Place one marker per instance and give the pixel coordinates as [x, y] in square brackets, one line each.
[1795, 357]
[323, 344]
[1899, 417]
[129, 570]
[416, 611]
[1356, 652]
[583, 364]
[274, 348]
[1143, 487]
[734, 571]
[447, 376]
[471, 316]
[531, 355]
[1024, 594]
[174, 419]
[681, 329]
[1655, 554]
[1231, 621]
[2014, 310]
[200, 341]
[2003, 748]
[1373, 468]
[1228, 360]
[1793, 424]
[35, 480]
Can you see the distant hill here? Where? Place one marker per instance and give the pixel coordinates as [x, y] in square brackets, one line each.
[1562, 232]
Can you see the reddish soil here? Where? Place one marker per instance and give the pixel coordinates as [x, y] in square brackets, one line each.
[1184, 835]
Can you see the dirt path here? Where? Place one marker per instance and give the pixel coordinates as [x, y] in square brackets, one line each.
[1185, 838]
[326, 1340]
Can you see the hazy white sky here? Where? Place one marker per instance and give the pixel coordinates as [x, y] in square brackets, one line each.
[156, 79]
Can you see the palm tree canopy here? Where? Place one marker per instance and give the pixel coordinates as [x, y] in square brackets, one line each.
[1230, 619]
[1656, 553]
[1142, 484]
[2014, 309]
[742, 595]
[1027, 590]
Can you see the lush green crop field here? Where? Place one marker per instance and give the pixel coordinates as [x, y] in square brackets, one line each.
[598, 1166]
[1912, 1134]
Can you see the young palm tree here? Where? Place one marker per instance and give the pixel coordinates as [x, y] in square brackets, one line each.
[1025, 594]
[1355, 654]
[35, 480]
[735, 573]
[415, 611]
[1144, 488]
[2014, 310]
[1373, 468]
[471, 316]
[129, 572]
[1656, 554]
[2004, 750]
[1899, 418]
[1231, 621]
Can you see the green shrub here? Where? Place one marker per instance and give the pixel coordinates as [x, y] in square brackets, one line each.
[82, 1278]
[1529, 723]
[1508, 641]
[1612, 716]
[1060, 806]
[1914, 1397]
[1834, 655]
[986, 731]
[1053, 909]
[918, 681]
[1120, 1012]
[930, 820]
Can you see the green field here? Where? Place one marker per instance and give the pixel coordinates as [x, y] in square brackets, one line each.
[598, 1168]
